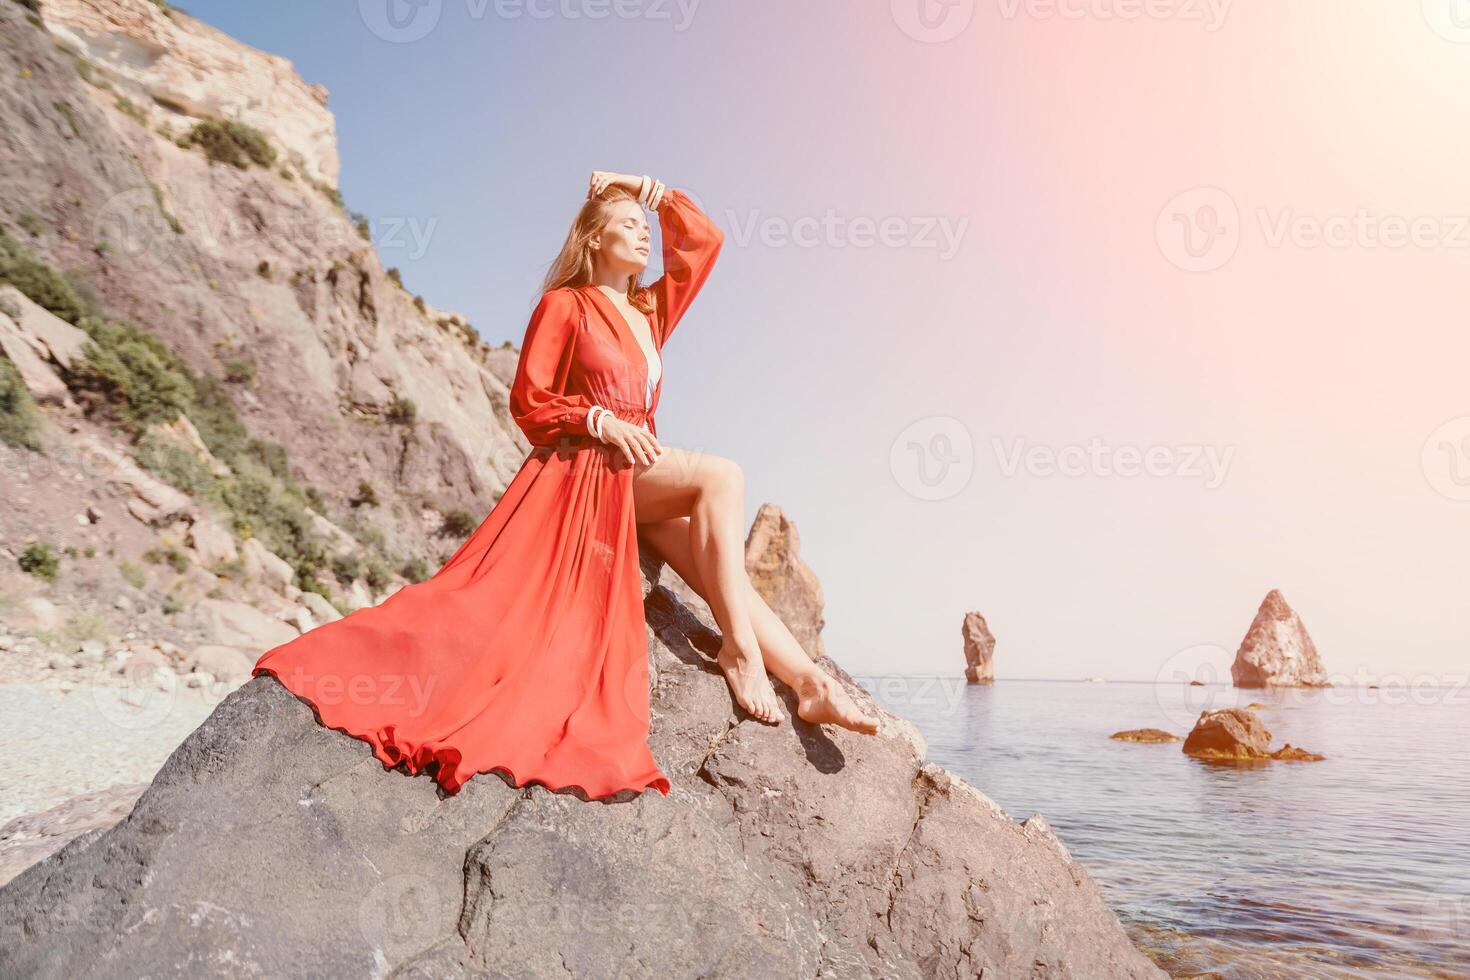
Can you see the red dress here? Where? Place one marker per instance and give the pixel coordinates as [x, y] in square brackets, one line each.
[527, 651]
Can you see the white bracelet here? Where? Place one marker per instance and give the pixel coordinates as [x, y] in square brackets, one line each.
[650, 192]
[592, 419]
[601, 419]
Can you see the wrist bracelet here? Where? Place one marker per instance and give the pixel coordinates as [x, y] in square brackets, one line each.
[644, 186]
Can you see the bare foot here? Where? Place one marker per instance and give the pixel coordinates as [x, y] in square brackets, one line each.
[749, 684]
[822, 701]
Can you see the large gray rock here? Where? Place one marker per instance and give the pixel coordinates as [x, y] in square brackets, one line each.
[1276, 651]
[269, 845]
[979, 649]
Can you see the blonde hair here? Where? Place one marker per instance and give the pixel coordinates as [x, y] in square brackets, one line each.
[573, 265]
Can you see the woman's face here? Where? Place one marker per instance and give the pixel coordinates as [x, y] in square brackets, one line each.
[622, 245]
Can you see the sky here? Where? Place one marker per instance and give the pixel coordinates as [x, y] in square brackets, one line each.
[1100, 317]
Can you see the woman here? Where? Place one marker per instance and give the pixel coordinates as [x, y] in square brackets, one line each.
[527, 651]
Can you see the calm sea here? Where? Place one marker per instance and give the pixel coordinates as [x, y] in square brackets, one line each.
[1357, 866]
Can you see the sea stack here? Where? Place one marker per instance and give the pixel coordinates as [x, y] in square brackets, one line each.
[979, 650]
[789, 586]
[1276, 651]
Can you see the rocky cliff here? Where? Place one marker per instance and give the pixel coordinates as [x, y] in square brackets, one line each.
[221, 419]
[129, 161]
[271, 846]
[1277, 651]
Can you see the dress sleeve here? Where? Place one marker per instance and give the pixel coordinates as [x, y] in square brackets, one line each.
[691, 243]
[537, 400]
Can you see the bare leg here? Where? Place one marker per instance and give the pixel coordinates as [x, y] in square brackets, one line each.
[711, 490]
[820, 698]
[716, 540]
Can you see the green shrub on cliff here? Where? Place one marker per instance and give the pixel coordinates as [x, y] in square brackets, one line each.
[227, 141]
[39, 560]
[128, 374]
[44, 285]
[20, 423]
[458, 523]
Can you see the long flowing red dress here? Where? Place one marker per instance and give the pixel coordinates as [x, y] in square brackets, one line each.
[527, 651]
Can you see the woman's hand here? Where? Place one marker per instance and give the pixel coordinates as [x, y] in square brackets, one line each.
[636, 442]
[603, 179]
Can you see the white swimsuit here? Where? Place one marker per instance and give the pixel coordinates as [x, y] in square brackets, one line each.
[655, 368]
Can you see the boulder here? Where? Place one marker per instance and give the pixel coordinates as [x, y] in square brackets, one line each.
[212, 544]
[148, 499]
[321, 610]
[358, 595]
[1228, 733]
[1144, 735]
[265, 565]
[789, 586]
[274, 846]
[979, 649]
[234, 624]
[40, 379]
[228, 664]
[44, 614]
[49, 336]
[183, 434]
[1276, 651]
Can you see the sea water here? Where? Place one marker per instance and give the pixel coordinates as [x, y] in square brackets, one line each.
[1355, 866]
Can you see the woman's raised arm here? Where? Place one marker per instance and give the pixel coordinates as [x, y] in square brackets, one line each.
[691, 243]
[537, 402]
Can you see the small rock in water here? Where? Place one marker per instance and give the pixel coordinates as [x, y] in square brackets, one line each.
[1229, 733]
[1145, 735]
[1290, 753]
